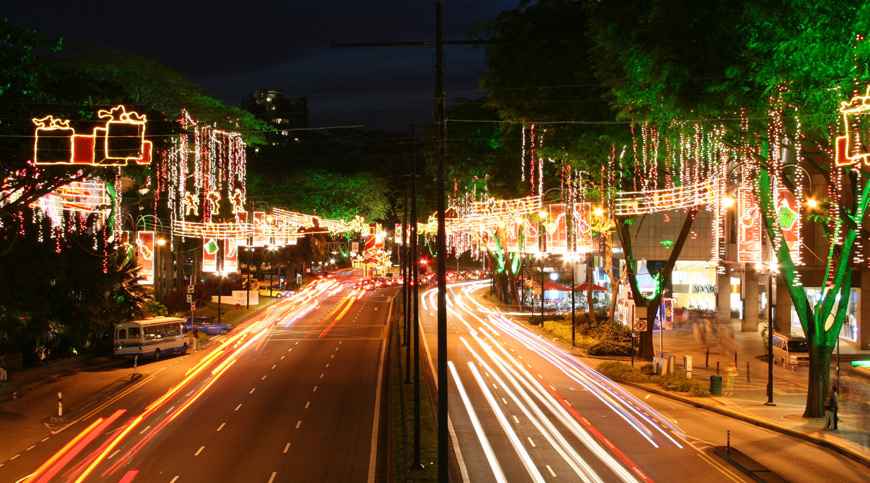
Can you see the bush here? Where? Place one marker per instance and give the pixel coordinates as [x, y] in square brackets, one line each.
[622, 371]
[611, 348]
[694, 387]
[536, 319]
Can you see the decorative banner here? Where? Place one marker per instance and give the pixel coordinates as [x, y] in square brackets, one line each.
[242, 220]
[145, 244]
[583, 226]
[788, 214]
[530, 244]
[119, 141]
[557, 230]
[210, 251]
[748, 227]
[513, 230]
[374, 242]
[400, 239]
[853, 148]
[231, 256]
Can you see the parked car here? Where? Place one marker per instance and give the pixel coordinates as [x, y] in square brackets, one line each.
[206, 325]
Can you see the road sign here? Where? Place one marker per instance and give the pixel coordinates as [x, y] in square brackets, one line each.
[190, 289]
[190, 298]
[640, 325]
[192, 306]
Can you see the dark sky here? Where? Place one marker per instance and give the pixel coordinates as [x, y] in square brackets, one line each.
[234, 47]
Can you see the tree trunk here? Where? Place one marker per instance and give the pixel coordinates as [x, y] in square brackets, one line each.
[819, 381]
[645, 345]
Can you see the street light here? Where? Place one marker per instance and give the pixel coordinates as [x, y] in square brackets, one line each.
[572, 257]
[541, 258]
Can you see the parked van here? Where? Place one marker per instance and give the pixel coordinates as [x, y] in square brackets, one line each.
[790, 350]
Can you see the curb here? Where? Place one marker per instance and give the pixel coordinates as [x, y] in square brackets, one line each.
[757, 422]
[39, 382]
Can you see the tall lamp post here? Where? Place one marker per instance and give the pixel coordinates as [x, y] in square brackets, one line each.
[572, 257]
[541, 258]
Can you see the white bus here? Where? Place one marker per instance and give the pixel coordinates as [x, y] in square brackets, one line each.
[152, 338]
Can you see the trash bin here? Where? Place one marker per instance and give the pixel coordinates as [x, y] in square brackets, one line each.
[716, 385]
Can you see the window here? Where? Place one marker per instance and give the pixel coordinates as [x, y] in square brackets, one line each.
[122, 334]
[134, 332]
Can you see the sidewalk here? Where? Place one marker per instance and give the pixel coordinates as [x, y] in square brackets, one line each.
[789, 392]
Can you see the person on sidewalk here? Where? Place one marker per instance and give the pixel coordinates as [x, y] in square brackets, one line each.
[831, 403]
[730, 376]
[194, 337]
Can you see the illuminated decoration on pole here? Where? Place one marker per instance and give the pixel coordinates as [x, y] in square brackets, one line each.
[789, 216]
[853, 148]
[190, 204]
[748, 227]
[582, 225]
[261, 229]
[145, 250]
[120, 141]
[238, 201]
[83, 197]
[231, 256]
[557, 231]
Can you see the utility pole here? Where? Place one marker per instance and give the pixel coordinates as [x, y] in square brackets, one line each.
[441, 246]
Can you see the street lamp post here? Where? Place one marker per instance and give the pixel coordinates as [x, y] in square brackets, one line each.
[573, 289]
[542, 290]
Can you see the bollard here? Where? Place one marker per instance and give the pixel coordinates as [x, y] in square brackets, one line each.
[135, 363]
[747, 372]
[707, 358]
[59, 404]
[717, 367]
[735, 358]
[728, 443]
[687, 361]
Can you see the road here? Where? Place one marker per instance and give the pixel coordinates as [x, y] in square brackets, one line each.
[291, 396]
[521, 409]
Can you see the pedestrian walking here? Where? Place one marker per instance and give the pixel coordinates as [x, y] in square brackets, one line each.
[730, 376]
[832, 401]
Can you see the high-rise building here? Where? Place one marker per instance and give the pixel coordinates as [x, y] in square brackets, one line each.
[282, 113]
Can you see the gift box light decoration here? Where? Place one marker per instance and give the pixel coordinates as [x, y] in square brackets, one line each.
[120, 141]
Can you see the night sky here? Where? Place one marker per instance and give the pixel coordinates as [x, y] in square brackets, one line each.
[234, 47]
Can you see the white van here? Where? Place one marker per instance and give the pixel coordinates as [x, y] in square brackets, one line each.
[151, 338]
[790, 350]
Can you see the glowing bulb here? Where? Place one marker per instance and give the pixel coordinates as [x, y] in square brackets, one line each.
[598, 211]
[812, 203]
[728, 202]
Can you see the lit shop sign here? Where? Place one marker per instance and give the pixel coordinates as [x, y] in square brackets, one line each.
[118, 142]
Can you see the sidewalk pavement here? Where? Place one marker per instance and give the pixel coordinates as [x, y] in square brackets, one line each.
[852, 438]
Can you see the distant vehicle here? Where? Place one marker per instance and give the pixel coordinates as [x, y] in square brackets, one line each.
[790, 350]
[151, 338]
[206, 325]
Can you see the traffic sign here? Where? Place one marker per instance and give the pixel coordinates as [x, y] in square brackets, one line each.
[192, 306]
[189, 298]
[640, 325]
[190, 289]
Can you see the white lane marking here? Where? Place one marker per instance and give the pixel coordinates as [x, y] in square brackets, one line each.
[504, 401]
[174, 479]
[221, 426]
[272, 478]
[146, 429]
[199, 450]
[287, 448]
[339, 342]
[237, 407]
[332, 356]
[252, 390]
[531, 442]
[44, 439]
[263, 378]
[169, 410]
[327, 365]
[321, 375]
[550, 470]
[297, 343]
[306, 404]
[276, 365]
[647, 396]
[282, 358]
[516, 419]
[113, 454]
[315, 389]
[191, 392]
[12, 458]
[299, 424]
[30, 448]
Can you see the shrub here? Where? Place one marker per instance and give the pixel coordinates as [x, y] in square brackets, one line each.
[622, 371]
[536, 319]
[694, 387]
[610, 348]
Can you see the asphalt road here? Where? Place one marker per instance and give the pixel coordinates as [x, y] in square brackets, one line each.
[291, 396]
[522, 409]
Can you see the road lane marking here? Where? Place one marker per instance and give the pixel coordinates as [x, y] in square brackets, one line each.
[237, 407]
[44, 439]
[169, 410]
[332, 356]
[30, 448]
[146, 429]
[306, 404]
[531, 442]
[174, 479]
[199, 450]
[321, 375]
[287, 448]
[315, 389]
[504, 401]
[191, 392]
[327, 364]
[516, 419]
[221, 426]
[12, 458]
[298, 424]
[282, 358]
[550, 470]
[263, 378]
[272, 478]
[252, 390]
[113, 454]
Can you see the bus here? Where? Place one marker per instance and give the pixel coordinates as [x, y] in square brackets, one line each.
[151, 338]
